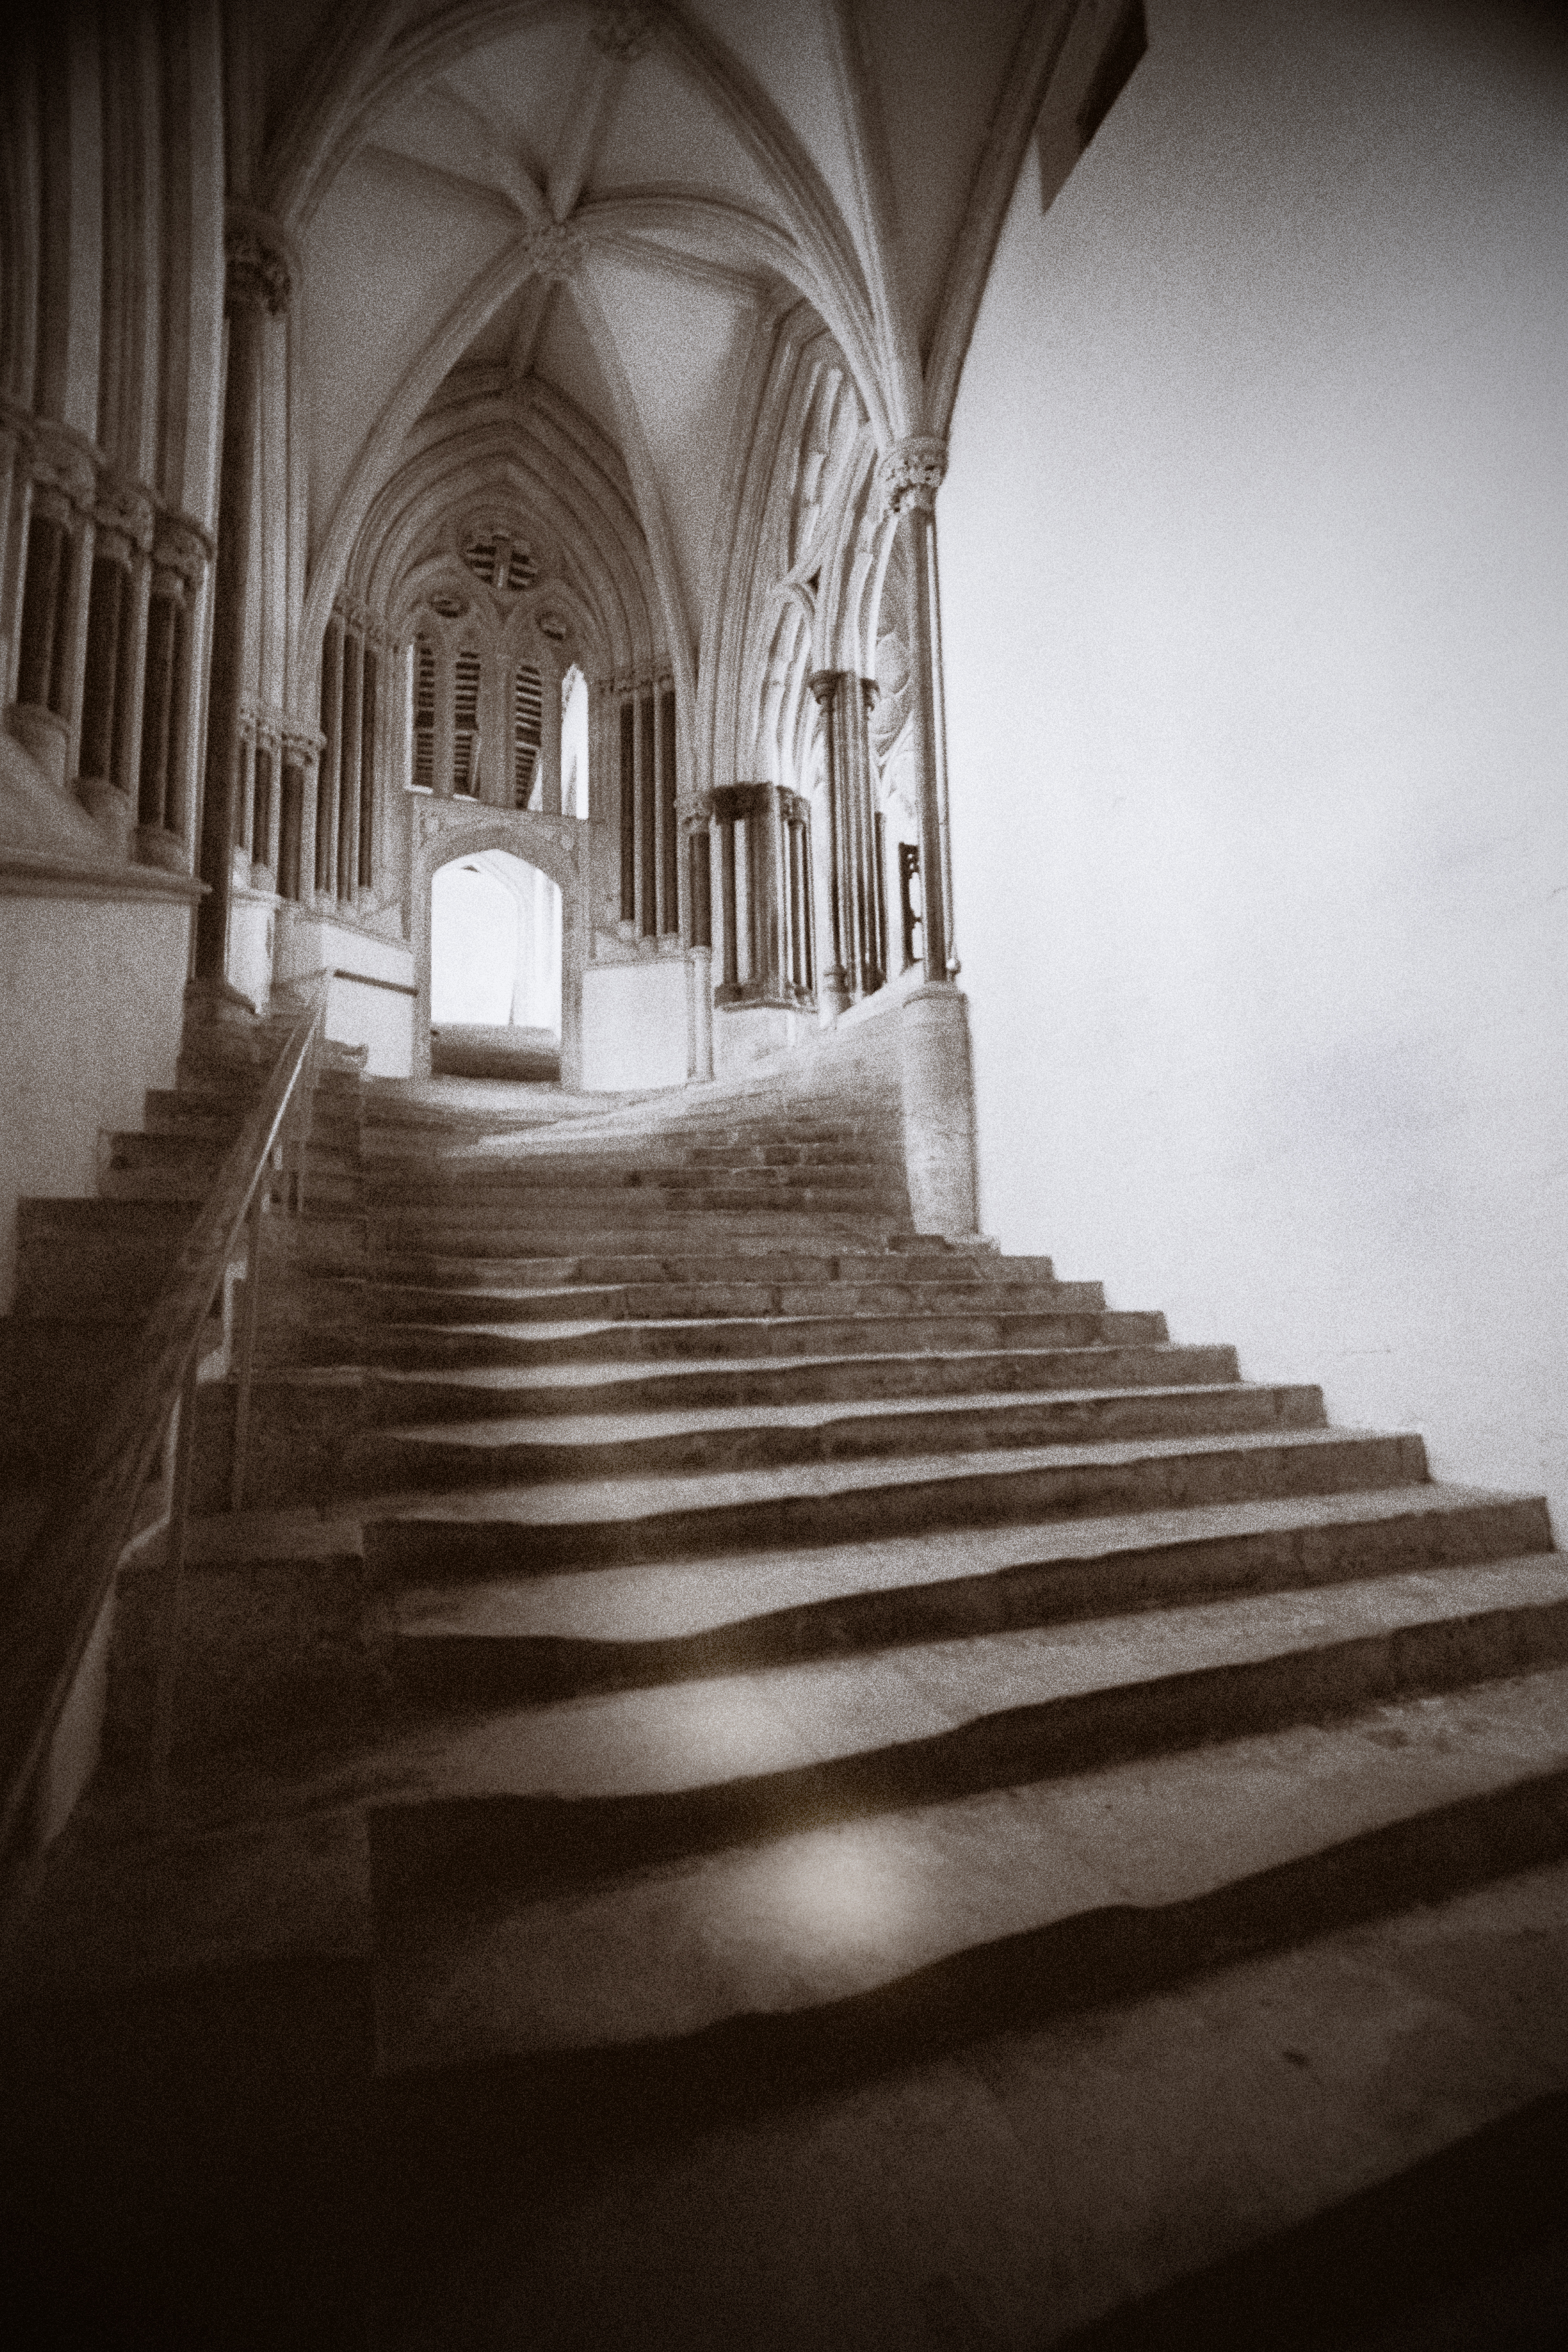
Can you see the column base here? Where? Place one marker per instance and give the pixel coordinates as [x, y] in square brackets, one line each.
[154, 846]
[112, 811]
[833, 992]
[44, 735]
[208, 1001]
[938, 1086]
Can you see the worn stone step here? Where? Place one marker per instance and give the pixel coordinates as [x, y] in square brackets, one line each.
[760, 1264]
[595, 1341]
[217, 1119]
[657, 1813]
[483, 1242]
[748, 1438]
[305, 1413]
[844, 1900]
[523, 1226]
[122, 1153]
[1322, 2105]
[419, 1160]
[508, 1641]
[592, 1522]
[475, 1392]
[668, 1301]
[567, 1200]
[190, 1180]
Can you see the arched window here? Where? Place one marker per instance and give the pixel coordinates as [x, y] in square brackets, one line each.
[424, 715]
[574, 744]
[466, 745]
[527, 730]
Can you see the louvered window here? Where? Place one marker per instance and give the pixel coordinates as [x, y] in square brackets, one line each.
[424, 715]
[466, 748]
[527, 730]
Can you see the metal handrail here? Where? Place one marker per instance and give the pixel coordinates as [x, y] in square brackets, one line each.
[64, 1580]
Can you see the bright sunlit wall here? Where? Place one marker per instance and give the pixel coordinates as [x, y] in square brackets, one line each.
[495, 944]
[1256, 611]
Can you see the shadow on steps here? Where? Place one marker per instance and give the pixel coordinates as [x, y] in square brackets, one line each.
[575, 2107]
[1466, 2252]
[181, 2164]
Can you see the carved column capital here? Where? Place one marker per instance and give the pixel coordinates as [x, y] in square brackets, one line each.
[181, 546]
[301, 740]
[554, 251]
[126, 515]
[823, 684]
[911, 472]
[354, 615]
[260, 269]
[65, 462]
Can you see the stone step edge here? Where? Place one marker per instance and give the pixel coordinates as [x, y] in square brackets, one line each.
[608, 2095]
[525, 1847]
[484, 1669]
[831, 1502]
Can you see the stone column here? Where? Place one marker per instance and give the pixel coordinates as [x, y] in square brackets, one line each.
[52, 654]
[268, 821]
[370, 766]
[164, 751]
[550, 734]
[157, 713]
[111, 667]
[937, 1071]
[16, 450]
[938, 1088]
[131, 684]
[65, 463]
[911, 472]
[245, 810]
[349, 773]
[857, 968]
[446, 719]
[257, 285]
[43, 596]
[835, 982]
[331, 763]
[301, 758]
[100, 674]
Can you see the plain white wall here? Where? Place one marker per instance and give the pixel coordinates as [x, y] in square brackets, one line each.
[634, 1025]
[1255, 554]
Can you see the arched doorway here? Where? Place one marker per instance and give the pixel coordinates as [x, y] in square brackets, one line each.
[495, 968]
[498, 913]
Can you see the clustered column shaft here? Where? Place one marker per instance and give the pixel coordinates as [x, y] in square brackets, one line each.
[764, 895]
[856, 893]
[650, 897]
[257, 287]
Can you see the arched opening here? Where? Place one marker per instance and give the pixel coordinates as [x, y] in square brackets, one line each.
[494, 969]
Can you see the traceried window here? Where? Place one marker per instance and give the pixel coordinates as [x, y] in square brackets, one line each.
[501, 563]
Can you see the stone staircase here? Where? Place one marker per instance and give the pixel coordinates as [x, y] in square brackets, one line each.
[749, 1776]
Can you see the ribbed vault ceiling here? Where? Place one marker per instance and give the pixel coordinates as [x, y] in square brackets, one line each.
[621, 202]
